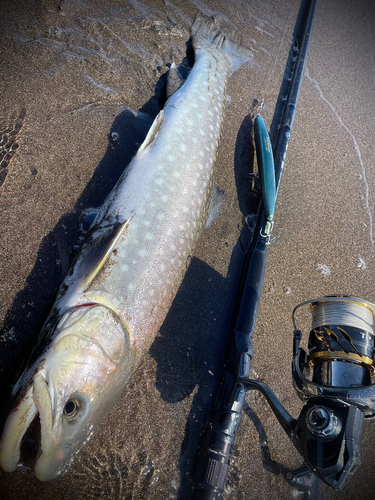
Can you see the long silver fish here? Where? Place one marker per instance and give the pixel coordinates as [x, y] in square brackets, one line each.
[121, 285]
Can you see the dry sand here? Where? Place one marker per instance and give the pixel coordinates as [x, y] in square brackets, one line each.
[73, 76]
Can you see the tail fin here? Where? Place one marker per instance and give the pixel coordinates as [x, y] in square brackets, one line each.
[205, 33]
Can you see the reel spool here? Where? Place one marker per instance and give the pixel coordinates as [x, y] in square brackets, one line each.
[341, 343]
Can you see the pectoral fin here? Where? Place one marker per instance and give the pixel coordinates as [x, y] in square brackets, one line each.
[87, 219]
[97, 251]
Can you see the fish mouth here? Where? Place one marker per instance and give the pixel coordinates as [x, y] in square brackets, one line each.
[14, 431]
[30, 448]
[28, 428]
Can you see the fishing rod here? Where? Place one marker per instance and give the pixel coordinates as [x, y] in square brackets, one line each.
[220, 432]
[219, 435]
[332, 377]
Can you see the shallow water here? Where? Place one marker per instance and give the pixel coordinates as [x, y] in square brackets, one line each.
[87, 78]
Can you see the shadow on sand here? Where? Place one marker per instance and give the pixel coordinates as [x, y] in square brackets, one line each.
[192, 342]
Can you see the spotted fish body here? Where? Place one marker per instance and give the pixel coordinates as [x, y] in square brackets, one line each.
[122, 283]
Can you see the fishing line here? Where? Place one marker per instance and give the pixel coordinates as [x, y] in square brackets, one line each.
[344, 301]
[342, 330]
[369, 34]
[343, 313]
[261, 106]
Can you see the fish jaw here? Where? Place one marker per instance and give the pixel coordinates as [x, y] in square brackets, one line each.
[70, 388]
[58, 445]
[16, 425]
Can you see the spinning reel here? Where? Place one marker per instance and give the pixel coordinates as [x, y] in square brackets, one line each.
[333, 379]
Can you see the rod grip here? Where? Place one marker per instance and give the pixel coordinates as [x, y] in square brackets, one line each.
[213, 463]
[216, 447]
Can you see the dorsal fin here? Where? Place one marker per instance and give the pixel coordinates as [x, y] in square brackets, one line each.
[151, 134]
[174, 82]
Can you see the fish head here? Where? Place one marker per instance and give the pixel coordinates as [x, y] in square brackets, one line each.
[69, 390]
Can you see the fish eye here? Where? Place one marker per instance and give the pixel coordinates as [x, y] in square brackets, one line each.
[73, 408]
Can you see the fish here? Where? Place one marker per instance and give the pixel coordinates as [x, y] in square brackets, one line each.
[122, 282]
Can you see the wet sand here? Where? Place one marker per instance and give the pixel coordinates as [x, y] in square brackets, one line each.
[81, 72]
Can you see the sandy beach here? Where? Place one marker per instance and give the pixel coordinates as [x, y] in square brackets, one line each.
[81, 83]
